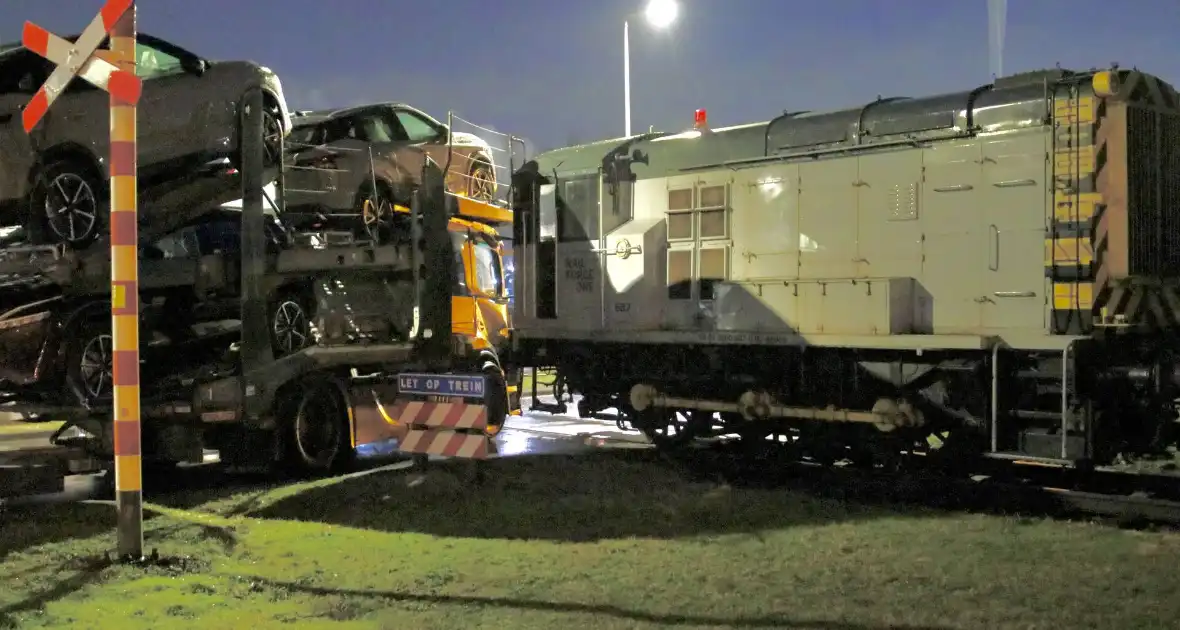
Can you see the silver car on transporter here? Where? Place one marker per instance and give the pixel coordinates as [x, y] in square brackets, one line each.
[53, 181]
[339, 159]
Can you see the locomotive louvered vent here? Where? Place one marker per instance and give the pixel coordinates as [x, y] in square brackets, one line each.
[1153, 192]
[1034, 76]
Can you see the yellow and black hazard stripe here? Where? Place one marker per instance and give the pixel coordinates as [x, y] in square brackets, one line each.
[1069, 253]
[1137, 113]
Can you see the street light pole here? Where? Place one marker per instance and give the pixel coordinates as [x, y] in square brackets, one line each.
[626, 78]
[659, 14]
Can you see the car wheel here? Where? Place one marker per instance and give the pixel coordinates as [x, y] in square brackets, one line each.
[481, 181]
[272, 139]
[67, 206]
[290, 325]
[376, 211]
[89, 362]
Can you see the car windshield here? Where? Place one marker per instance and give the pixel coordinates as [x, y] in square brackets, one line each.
[302, 135]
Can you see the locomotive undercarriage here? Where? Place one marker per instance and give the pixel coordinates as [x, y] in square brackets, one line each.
[1088, 405]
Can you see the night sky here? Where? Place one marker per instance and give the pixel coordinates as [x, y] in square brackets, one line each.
[551, 70]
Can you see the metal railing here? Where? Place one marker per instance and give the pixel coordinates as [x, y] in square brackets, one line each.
[465, 175]
[324, 205]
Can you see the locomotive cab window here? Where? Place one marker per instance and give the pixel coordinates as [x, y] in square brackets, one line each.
[680, 274]
[680, 215]
[698, 226]
[713, 212]
[617, 209]
[713, 267]
[578, 210]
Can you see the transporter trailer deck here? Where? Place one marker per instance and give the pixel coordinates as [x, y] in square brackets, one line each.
[260, 403]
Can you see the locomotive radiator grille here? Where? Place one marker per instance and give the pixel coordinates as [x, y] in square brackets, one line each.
[1069, 253]
[1137, 226]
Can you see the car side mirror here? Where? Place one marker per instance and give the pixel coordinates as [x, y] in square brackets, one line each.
[194, 66]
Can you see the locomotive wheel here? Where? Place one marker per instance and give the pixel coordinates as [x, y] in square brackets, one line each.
[673, 428]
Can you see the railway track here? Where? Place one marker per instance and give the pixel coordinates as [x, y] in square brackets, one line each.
[1003, 489]
[1058, 493]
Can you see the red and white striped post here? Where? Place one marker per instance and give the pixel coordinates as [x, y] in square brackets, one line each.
[113, 71]
[125, 299]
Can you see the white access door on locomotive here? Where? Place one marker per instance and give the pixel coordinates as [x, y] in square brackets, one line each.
[597, 261]
[578, 257]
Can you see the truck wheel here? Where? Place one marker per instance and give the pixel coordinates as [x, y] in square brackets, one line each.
[496, 398]
[318, 435]
[89, 353]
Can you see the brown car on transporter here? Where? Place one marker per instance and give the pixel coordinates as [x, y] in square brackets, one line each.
[53, 181]
[335, 157]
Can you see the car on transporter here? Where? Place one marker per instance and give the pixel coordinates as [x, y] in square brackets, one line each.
[364, 160]
[55, 345]
[53, 181]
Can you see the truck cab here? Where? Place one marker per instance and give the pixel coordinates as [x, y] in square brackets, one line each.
[480, 309]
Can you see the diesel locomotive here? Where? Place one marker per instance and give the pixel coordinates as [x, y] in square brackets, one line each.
[992, 272]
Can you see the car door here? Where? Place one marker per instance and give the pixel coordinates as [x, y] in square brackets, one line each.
[20, 76]
[310, 175]
[394, 159]
[425, 139]
[172, 107]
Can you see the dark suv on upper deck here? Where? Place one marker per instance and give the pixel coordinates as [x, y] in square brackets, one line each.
[53, 181]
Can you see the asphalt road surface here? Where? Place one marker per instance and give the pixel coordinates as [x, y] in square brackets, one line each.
[533, 433]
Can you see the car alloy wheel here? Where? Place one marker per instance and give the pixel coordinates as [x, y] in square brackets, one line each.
[376, 211]
[96, 366]
[272, 137]
[290, 327]
[71, 207]
[482, 183]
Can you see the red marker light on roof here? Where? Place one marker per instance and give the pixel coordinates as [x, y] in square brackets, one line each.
[700, 118]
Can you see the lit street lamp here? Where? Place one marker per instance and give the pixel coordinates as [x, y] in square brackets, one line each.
[659, 14]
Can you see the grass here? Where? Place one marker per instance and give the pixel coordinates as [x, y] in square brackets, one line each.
[544, 383]
[15, 429]
[613, 540]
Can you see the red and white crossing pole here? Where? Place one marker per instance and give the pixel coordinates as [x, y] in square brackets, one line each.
[113, 71]
[125, 299]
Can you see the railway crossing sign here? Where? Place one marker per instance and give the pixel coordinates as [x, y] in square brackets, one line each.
[113, 71]
[79, 59]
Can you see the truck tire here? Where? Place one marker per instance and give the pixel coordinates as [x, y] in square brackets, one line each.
[317, 436]
[496, 397]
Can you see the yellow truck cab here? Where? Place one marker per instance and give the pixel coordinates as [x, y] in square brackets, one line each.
[479, 304]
